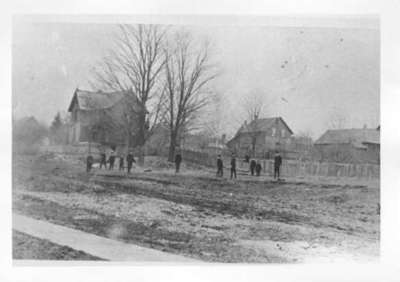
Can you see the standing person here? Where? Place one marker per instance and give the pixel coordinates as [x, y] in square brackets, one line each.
[103, 159]
[220, 166]
[178, 160]
[130, 159]
[277, 165]
[252, 166]
[121, 162]
[111, 160]
[89, 163]
[233, 166]
[247, 158]
[258, 168]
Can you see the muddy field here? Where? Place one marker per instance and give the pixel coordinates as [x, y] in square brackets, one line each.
[198, 215]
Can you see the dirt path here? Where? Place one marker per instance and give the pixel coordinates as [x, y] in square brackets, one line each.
[95, 245]
[27, 247]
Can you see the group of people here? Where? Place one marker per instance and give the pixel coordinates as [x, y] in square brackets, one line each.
[255, 166]
[111, 161]
[220, 166]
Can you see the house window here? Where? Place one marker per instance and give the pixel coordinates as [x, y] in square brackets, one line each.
[273, 131]
[283, 133]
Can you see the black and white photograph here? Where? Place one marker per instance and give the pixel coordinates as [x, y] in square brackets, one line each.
[208, 140]
[196, 143]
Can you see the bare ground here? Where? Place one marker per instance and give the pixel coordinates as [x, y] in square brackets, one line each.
[198, 215]
[32, 248]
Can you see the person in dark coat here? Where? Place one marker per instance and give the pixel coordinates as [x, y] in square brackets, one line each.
[130, 160]
[121, 162]
[111, 160]
[220, 166]
[277, 165]
[178, 160]
[247, 159]
[89, 163]
[233, 166]
[252, 166]
[258, 168]
[103, 160]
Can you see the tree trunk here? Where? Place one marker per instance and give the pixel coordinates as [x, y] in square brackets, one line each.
[127, 142]
[172, 146]
[141, 137]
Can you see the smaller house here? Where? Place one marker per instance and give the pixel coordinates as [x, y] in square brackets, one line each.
[361, 145]
[201, 142]
[216, 145]
[158, 142]
[261, 136]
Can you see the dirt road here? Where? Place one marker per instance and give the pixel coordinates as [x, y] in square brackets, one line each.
[200, 216]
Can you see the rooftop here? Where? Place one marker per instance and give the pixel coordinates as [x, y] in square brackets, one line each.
[89, 100]
[261, 124]
[357, 137]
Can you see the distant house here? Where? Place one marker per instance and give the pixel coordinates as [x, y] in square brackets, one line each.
[97, 117]
[158, 142]
[201, 142]
[216, 145]
[349, 145]
[262, 134]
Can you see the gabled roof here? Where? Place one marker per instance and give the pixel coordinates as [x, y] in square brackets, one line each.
[261, 124]
[88, 100]
[355, 136]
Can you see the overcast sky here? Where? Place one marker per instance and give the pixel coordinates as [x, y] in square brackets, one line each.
[318, 71]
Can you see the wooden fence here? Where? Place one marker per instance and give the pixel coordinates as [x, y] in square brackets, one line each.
[293, 168]
[290, 168]
[80, 149]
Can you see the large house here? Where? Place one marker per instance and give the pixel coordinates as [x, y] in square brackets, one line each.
[350, 145]
[98, 117]
[261, 136]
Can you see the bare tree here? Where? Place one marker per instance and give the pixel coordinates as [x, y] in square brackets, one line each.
[133, 66]
[188, 73]
[337, 120]
[254, 105]
[306, 134]
[211, 118]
